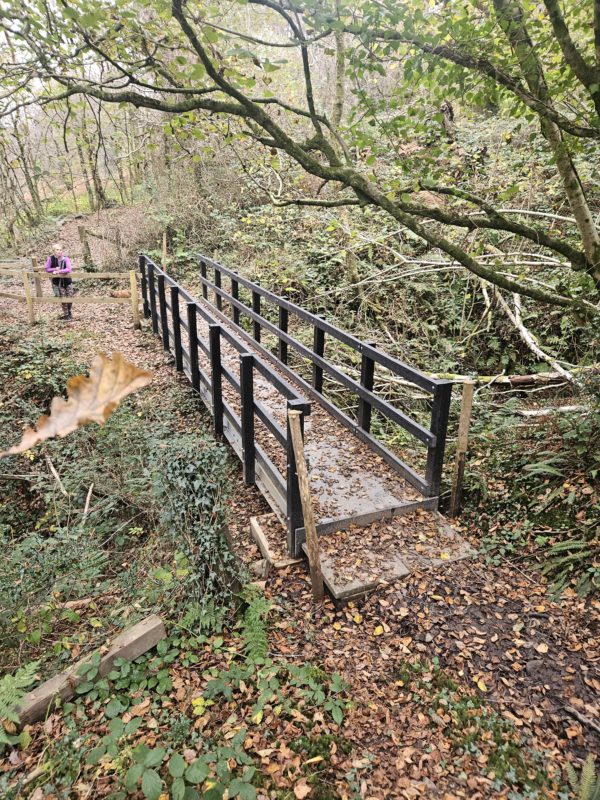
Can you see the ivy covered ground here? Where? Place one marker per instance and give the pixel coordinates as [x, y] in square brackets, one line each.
[471, 682]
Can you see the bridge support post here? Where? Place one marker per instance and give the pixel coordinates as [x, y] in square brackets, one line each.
[193, 346]
[144, 282]
[256, 309]
[176, 328]
[439, 424]
[218, 298]
[214, 339]
[162, 304]
[247, 417]
[152, 290]
[295, 517]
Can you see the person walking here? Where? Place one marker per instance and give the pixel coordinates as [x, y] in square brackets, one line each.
[59, 266]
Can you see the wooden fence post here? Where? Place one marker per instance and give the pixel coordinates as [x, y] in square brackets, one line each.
[247, 417]
[235, 293]
[28, 297]
[464, 422]
[367, 375]
[282, 347]
[133, 288]
[310, 528]
[176, 319]
[162, 304]
[214, 339]
[319, 350]
[193, 346]
[36, 278]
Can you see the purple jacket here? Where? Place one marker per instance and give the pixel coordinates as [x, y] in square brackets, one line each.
[64, 265]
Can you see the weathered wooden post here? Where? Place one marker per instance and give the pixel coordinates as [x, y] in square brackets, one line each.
[135, 309]
[319, 350]
[152, 291]
[36, 278]
[256, 309]
[282, 348]
[310, 528]
[235, 293]
[162, 304]
[218, 298]
[439, 423]
[144, 281]
[28, 297]
[247, 417]
[367, 375]
[295, 518]
[464, 423]
[203, 274]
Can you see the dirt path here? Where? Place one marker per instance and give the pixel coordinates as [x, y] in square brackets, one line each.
[533, 665]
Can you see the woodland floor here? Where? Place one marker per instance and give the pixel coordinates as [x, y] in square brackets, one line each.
[468, 646]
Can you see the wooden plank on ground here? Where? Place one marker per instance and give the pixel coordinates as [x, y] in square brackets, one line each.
[130, 644]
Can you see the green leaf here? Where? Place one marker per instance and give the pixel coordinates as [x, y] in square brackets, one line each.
[113, 708]
[154, 758]
[132, 777]
[151, 784]
[337, 714]
[197, 772]
[176, 765]
[178, 789]
[95, 754]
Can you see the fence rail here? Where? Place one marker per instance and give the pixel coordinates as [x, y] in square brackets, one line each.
[174, 315]
[433, 437]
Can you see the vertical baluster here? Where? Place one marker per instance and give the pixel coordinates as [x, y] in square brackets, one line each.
[247, 417]
[193, 345]
[152, 290]
[162, 303]
[282, 348]
[214, 338]
[318, 349]
[235, 293]
[146, 304]
[176, 328]
[367, 374]
[203, 273]
[218, 298]
[256, 309]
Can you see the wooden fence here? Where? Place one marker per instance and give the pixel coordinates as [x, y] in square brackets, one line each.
[32, 278]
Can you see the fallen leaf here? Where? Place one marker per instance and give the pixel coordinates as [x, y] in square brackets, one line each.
[302, 789]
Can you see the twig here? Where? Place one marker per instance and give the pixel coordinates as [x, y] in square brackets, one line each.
[582, 718]
[87, 504]
[56, 476]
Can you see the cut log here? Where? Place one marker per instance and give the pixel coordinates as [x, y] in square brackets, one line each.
[130, 644]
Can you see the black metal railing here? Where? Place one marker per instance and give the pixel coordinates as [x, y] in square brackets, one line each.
[180, 335]
[432, 437]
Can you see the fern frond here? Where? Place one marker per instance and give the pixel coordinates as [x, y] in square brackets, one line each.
[572, 776]
[12, 690]
[254, 626]
[588, 781]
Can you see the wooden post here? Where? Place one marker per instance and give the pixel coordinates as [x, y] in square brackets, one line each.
[319, 350]
[295, 518]
[235, 293]
[134, 299]
[146, 304]
[312, 540]
[152, 292]
[176, 319]
[461, 448]
[28, 297]
[36, 278]
[282, 348]
[162, 304]
[247, 417]
[193, 346]
[367, 374]
[214, 340]
[88, 263]
[164, 249]
[255, 322]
